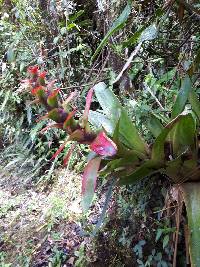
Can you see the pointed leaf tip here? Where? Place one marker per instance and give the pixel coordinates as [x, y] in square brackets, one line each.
[88, 104]
[67, 157]
[60, 149]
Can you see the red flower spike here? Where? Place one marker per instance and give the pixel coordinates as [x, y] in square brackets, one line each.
[33, 70]
[103, 145]
[88, 104]
[42, 74]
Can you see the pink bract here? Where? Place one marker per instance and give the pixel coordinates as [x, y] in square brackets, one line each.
[103, 145]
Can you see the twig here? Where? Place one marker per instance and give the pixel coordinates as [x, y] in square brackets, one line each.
[133, 54]
[152, 94]
[166, 209]
[102, 69]
[190, 8]
[186, 233]
[177, 233]
[67, 35]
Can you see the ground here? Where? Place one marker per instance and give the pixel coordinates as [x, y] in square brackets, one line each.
[39, 228]
[42, 225]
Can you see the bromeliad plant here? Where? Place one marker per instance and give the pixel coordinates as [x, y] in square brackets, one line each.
[77, 129]
[124, 154]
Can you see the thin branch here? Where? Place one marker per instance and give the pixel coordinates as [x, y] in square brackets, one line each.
[128, 62]
[152, 94]
[190, 8]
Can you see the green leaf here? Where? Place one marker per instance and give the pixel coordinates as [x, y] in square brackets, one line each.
[111, 106]
[195, 103]
[137, 35]
[121, 166]
[154, 125]
[158, 234]
[117, 25]
[100, 121]
[182, 96]
[180, 170]
[147, 168]
[54, 115]
[11, 55]
[165, 241]
[183, 135]
[129, 134]
[195, 65]
[191, 194]
[158, 153]
[172, 169]
[134, 39]
[75, 16]
[108, 101]
[149, 33]
[89, 182]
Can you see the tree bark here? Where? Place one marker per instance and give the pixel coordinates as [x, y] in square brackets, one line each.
[191, 195]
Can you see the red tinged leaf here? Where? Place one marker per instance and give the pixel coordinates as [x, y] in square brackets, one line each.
[70, 115]
[88, 104]
[89, 182]
[59, 150]
[52, 98]
[51, 84]
[41, 78]
[38, 91]
[43, 118]
[70, 97]
[33, 70]
[103, 145]
[56, 125]
[54, 92]
[67, 157]
[58, 115]
[77, 135]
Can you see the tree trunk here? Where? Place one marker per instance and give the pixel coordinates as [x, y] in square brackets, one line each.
[191, 194]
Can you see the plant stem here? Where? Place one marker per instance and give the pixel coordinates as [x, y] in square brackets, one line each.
[191, 194]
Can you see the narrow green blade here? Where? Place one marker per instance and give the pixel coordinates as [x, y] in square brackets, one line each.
[182, 97]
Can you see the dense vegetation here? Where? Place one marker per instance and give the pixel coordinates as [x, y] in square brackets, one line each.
[142, 60]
